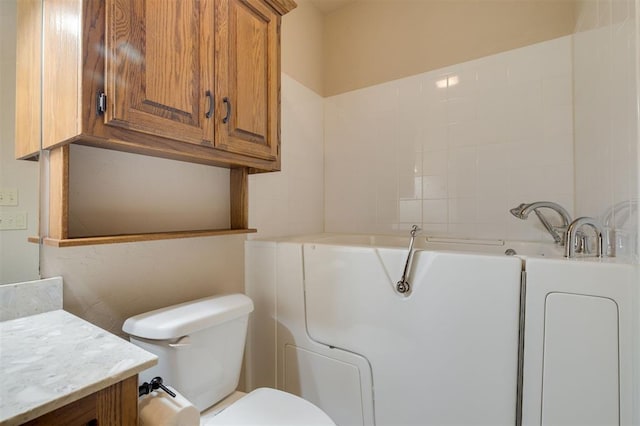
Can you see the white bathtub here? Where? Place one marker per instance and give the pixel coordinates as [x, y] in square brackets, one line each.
[498, 247]
[329, 326]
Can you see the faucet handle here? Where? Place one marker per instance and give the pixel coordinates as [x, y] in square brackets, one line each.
[583, 243]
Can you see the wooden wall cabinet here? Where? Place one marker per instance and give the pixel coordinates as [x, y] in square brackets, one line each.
[28, 79]
[159, 76]
[190, 80]
[247, 40]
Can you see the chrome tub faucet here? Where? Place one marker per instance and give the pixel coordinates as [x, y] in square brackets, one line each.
[557, 232]
[577, 240]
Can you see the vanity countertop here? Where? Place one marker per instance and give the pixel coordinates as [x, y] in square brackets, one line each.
[51, 359]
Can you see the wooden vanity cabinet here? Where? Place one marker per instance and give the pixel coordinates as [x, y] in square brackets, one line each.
[116, 405]
[192, 80]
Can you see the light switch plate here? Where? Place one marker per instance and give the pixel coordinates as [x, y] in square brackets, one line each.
[8, 196]
[13, 220]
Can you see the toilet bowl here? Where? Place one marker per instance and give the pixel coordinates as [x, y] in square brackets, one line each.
[200, 345]
[265, 406]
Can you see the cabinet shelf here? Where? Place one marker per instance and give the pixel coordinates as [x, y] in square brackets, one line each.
[131, 238]
[58, 195]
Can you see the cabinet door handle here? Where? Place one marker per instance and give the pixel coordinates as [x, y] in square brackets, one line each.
[227, 102]
[210, 97]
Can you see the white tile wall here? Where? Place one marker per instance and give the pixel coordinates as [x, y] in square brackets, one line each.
[292, 201]
[453, 149]
[606, 118]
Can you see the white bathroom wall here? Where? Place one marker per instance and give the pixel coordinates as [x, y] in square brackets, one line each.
[606, 118]
[453, 149]
[292, 201]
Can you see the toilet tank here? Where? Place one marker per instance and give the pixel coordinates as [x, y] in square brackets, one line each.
[199, 345]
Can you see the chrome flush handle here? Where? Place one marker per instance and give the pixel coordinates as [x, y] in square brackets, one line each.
[181, 342]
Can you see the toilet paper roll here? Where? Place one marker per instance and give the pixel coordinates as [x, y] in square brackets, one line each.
[160, 409]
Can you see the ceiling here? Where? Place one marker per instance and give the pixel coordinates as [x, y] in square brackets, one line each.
[328, 6]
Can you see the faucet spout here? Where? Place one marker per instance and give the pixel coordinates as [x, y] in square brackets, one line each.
[523, 210]
[572, 232]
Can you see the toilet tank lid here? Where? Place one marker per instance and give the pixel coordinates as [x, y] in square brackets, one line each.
[180, 320]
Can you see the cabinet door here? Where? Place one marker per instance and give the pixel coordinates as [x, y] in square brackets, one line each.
[28, 78]
[247, 78]
[159, 68]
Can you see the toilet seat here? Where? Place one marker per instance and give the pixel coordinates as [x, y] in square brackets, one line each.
[271, 407]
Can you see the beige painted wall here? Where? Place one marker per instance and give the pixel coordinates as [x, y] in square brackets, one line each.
[106, 284]
[373, 41]
[114, 192]
[302, 45]
[18, 257]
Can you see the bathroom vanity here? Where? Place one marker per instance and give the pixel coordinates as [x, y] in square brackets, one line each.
[60, 369]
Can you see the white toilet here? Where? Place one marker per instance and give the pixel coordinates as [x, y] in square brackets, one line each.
[200, 345]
